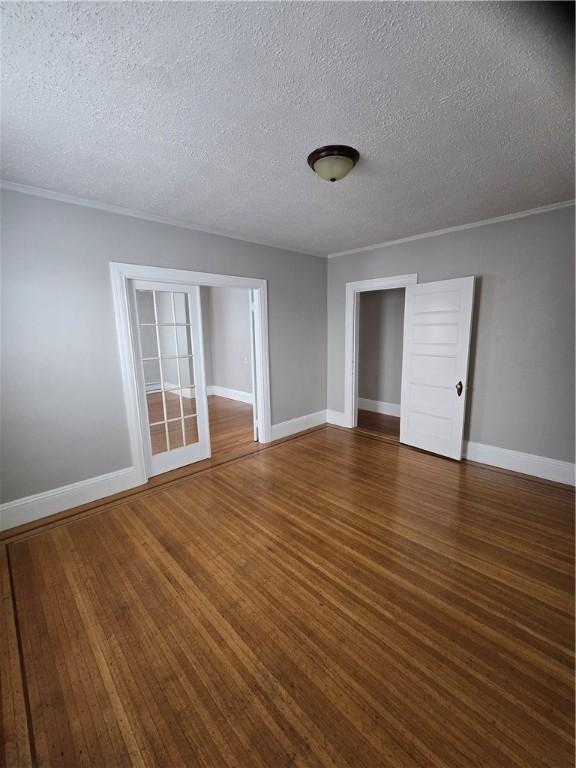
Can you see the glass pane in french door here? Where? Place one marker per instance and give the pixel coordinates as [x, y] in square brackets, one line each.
[167, 355]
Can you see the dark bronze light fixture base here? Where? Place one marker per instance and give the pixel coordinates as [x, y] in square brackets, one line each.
[343, 160]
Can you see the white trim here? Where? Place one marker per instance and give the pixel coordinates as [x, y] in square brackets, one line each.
[124, 335]
[20, 511]
[253, 366]
[30, 508]
[527, 463]
[352, 313]
[379, 406]
[61, 197]
[504, 458]
[457, 228]
[121, 274]
[299, 424]
[230, 394]
[336, 418]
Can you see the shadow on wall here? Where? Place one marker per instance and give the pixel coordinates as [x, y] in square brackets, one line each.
[479, 404]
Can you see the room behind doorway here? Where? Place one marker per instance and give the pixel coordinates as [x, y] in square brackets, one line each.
[380, 337]
[228, 353]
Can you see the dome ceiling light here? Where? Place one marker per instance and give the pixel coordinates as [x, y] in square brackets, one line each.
[333, 162]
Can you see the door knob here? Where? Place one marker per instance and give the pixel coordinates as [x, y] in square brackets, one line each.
[459, 388]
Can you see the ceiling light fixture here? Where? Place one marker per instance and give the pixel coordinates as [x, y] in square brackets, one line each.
[333, 162]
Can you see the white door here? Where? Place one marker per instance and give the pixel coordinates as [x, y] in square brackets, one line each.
[437, 323]
[167, 332]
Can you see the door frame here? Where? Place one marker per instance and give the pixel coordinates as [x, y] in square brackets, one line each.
[351, 327]
[121, 274]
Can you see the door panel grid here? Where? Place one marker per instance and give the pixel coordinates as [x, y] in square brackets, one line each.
[167, 355]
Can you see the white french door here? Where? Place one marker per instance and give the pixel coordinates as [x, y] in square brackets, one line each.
[167, 333]
[437, 324]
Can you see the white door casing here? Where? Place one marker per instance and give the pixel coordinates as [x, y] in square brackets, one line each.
[121, 275]
[252, 300]
[437, 327]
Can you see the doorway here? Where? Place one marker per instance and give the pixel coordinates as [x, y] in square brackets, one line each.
[435, 351]
[380, 339]
[160, 328]
[229, 341]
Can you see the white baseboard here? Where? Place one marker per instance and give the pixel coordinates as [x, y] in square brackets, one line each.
[527, 463]
[20, 511]
[337, 418]
[293, 426]
[230, 394]
[516, 461]
[379, 406]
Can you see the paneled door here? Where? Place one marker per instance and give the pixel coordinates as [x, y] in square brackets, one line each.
[167, 332]
[437, 323]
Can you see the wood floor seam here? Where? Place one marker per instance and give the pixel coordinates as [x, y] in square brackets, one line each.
[143, 491]
[29, 721]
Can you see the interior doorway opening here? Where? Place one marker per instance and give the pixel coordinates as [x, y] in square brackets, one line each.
[380, 345]
[160, 328]
[229, 356]
[435, 353]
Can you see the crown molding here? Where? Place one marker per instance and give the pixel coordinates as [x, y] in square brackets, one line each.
[61, 197]
[457, 228]
[110, 208]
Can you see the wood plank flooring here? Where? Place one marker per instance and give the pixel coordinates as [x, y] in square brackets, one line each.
[231, 438]
[230, 423]
[335, 600]
[380, 423]
[15, 749]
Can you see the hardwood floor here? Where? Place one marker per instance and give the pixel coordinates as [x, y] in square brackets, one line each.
[230, 423]
[380, 423]
[335, 600]
[14, 743]
[232, 438]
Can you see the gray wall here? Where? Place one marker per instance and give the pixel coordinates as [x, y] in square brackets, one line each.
[227, 338]
[381, 332]
[62, 409]
[522, 363]
[206, 332]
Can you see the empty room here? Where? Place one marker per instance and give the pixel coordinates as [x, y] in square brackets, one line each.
[287, 384]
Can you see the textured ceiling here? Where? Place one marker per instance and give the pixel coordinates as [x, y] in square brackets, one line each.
[206, 112]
